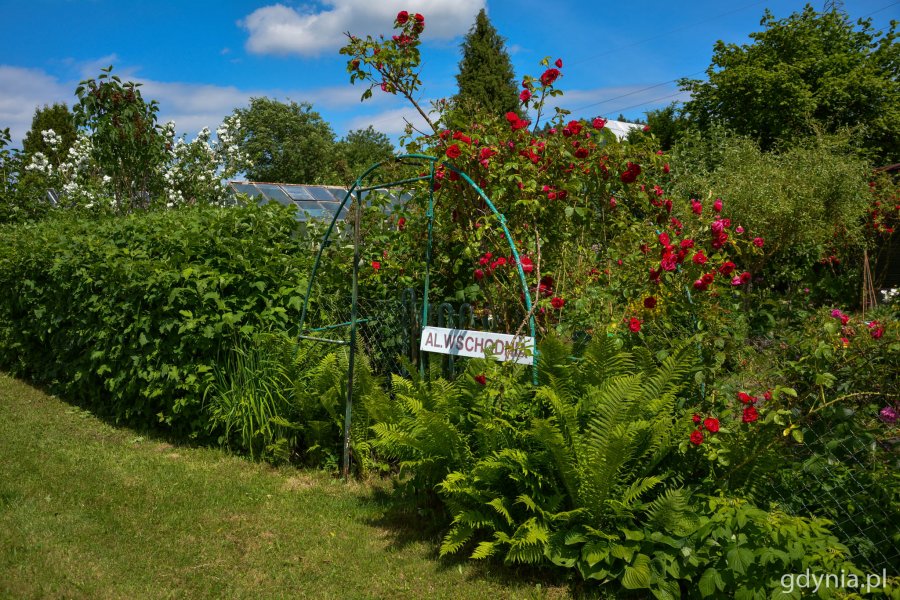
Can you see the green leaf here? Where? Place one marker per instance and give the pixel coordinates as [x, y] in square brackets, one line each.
[710, 582]
[637, 575]
[739, 559]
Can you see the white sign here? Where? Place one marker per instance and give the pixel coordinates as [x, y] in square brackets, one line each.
[462, 342]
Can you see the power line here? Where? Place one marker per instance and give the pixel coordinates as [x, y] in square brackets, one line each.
[669, 32]
[649, 87]
[881, 9]
[619, 110]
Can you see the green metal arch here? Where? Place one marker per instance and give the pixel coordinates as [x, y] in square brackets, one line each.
[360, 189]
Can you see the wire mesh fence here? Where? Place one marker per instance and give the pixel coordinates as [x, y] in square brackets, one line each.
[846, 470]
[388, 329]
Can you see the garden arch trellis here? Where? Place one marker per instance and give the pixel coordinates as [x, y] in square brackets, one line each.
[356, 194]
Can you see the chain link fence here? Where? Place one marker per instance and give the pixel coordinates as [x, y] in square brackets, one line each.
[847, 470]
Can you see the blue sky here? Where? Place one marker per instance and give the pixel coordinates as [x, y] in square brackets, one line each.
[201, 59]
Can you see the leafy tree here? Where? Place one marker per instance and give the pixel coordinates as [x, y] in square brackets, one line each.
[810, 68]
[359, 150]
[125, 138]
[58, 118]
[667, 124]
[486, 76]
[286, 142]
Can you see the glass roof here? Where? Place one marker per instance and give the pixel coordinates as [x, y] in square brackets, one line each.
[312, 201]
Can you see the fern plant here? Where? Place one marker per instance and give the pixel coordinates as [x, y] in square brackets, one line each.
[588, 481]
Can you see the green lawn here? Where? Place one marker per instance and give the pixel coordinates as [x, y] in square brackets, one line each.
[88, 510]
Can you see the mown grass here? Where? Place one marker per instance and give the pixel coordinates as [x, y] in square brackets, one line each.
[89, 510]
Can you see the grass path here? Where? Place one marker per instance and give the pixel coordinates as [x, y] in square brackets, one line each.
[88, 510]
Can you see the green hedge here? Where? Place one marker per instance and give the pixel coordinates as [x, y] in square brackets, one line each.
[128, 315]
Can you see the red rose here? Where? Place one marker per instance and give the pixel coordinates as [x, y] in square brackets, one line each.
[402, 17]
[708, 278]
[558, 63]
[549, 76]
[696, 437]
[700, 258]
[711, 424]
[746, 398]
[557, 302]
[696, 418]
[525, 96]
[646, 129]
[634, 324]
[696, 207]
[666, 168]
[717, 205]
[420, 18]
[479, 274]
[758, 242]
[767, 395]
[401, 223]
[376, 265]
[745, 277]
[650, 302]
[459, 135]
[481, 379]
[750, 414]
[453, 151]
[527, 264]
[598, 123]
[699, 285]
[632, 170]
[727, 268]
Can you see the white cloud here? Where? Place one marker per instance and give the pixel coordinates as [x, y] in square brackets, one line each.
[390, 122]
[23, 90]
[279, 29]
[192, 106]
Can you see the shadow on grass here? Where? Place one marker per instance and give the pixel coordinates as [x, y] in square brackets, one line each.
[409, 521]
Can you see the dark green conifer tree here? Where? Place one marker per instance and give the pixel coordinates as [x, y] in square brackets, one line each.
[486, 76]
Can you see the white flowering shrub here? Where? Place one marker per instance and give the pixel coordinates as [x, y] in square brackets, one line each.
[192, 172]
[196, 171]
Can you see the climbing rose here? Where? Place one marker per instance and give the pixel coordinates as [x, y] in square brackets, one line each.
[888, 414]
[750, 414]
[650, 302]
[700, 258]
[696, 418]
[758, 242]
[401, 223]
[598, 123]
[402, 17]
[525, 96]
[527, 264]
[479, 274]
[717, 205]
[727, 268]
[481, 379]
[549, 76]
[746, 398]
[558, 63]
[632, 170]
[696, 437]
[557, 302]
[634, 324]
[711, 424]
[453, 151]
[376, 265]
